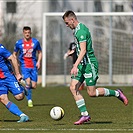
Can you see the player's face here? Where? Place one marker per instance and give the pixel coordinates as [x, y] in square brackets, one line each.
[27, 34]
[69, 22]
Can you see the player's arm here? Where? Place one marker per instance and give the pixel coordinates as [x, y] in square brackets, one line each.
[38, 64]
[80, 57]
[68, 53]
[15, 54]
[14, 62]
[16, 50]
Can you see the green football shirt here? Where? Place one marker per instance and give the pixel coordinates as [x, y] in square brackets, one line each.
[82, 34]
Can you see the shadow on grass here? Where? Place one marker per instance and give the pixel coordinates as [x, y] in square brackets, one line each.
[14, 121]
[100, 122]
[97, 122]
[59, 124]
[44, 105]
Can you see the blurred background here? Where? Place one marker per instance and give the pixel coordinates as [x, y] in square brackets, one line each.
[112, 35]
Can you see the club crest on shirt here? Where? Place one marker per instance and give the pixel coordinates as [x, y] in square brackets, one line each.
[82, 37]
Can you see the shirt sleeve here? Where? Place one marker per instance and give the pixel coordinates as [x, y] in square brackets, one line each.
[39, 46]
[4, 52]
[16, 48]
[72, 46]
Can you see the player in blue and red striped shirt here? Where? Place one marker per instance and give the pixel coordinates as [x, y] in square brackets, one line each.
[29, 63]
[9, 82]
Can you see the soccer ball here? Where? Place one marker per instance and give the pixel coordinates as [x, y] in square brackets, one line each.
[57, 113]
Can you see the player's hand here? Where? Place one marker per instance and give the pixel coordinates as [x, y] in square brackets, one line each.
[19, 77]
[74, 71]
[65, 56]
[38, 65]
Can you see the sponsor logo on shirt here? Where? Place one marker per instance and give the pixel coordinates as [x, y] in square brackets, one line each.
[88, 75]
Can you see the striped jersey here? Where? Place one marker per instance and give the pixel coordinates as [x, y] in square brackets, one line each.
[82, 34]
[27, 52]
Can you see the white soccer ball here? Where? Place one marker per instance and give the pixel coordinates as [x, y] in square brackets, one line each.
[57, 113]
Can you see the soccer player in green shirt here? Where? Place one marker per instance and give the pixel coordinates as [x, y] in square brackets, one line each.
[85, 68]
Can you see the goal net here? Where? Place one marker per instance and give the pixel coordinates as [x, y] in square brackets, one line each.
[112, 43]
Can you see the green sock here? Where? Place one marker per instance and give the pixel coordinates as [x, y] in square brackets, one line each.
[81, 105]
[109, 92]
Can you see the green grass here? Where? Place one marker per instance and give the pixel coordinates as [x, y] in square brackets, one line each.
[108, 113]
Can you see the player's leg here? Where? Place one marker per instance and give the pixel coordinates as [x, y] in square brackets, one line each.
[26, 72]
[91, 76]
[29, 97]
[13, 108]
[29, 89]
[14, 87]
[19, 96]
[32, 84]
[18, 92]
[82, 86]
[80, 102]
[34, 77]
[92, 91]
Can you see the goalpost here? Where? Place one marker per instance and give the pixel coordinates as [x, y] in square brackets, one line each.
[103, 26]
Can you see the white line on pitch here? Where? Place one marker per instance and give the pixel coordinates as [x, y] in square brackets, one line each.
[63, 129]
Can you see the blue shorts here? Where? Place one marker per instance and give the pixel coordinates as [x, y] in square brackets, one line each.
[10, 84]
[31, 73]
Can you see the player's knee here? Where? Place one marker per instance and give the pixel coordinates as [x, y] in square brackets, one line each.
[91, 93]
[34, 86]
[19, 97]
[72, 87]
[4, 99]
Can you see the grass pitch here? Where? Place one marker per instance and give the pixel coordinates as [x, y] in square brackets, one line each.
[108, 113]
